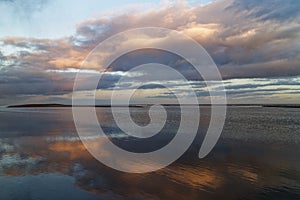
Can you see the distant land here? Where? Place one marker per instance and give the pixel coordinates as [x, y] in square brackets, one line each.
[146, 105]
[63, 106]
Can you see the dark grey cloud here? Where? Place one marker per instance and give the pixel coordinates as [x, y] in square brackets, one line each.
[151, 86]
[33, 83]
[139, 57]
[108, 81]
[269, 10]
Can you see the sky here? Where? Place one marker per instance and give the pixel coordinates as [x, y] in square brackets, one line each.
[254, 43]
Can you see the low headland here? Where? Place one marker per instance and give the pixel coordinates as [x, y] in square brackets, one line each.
[145, 105]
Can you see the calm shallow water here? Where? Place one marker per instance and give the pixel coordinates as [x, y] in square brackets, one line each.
[257, 157]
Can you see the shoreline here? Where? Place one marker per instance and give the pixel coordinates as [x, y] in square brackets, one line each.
[147, 105]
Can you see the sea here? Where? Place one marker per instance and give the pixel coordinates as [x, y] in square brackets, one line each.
[256, 157]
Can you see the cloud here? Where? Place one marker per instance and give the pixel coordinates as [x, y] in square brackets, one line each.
[238, 34]
[246, 88]
[266, 10]
[246, 39]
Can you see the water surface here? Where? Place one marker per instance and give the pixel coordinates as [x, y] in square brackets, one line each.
[257, 157]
